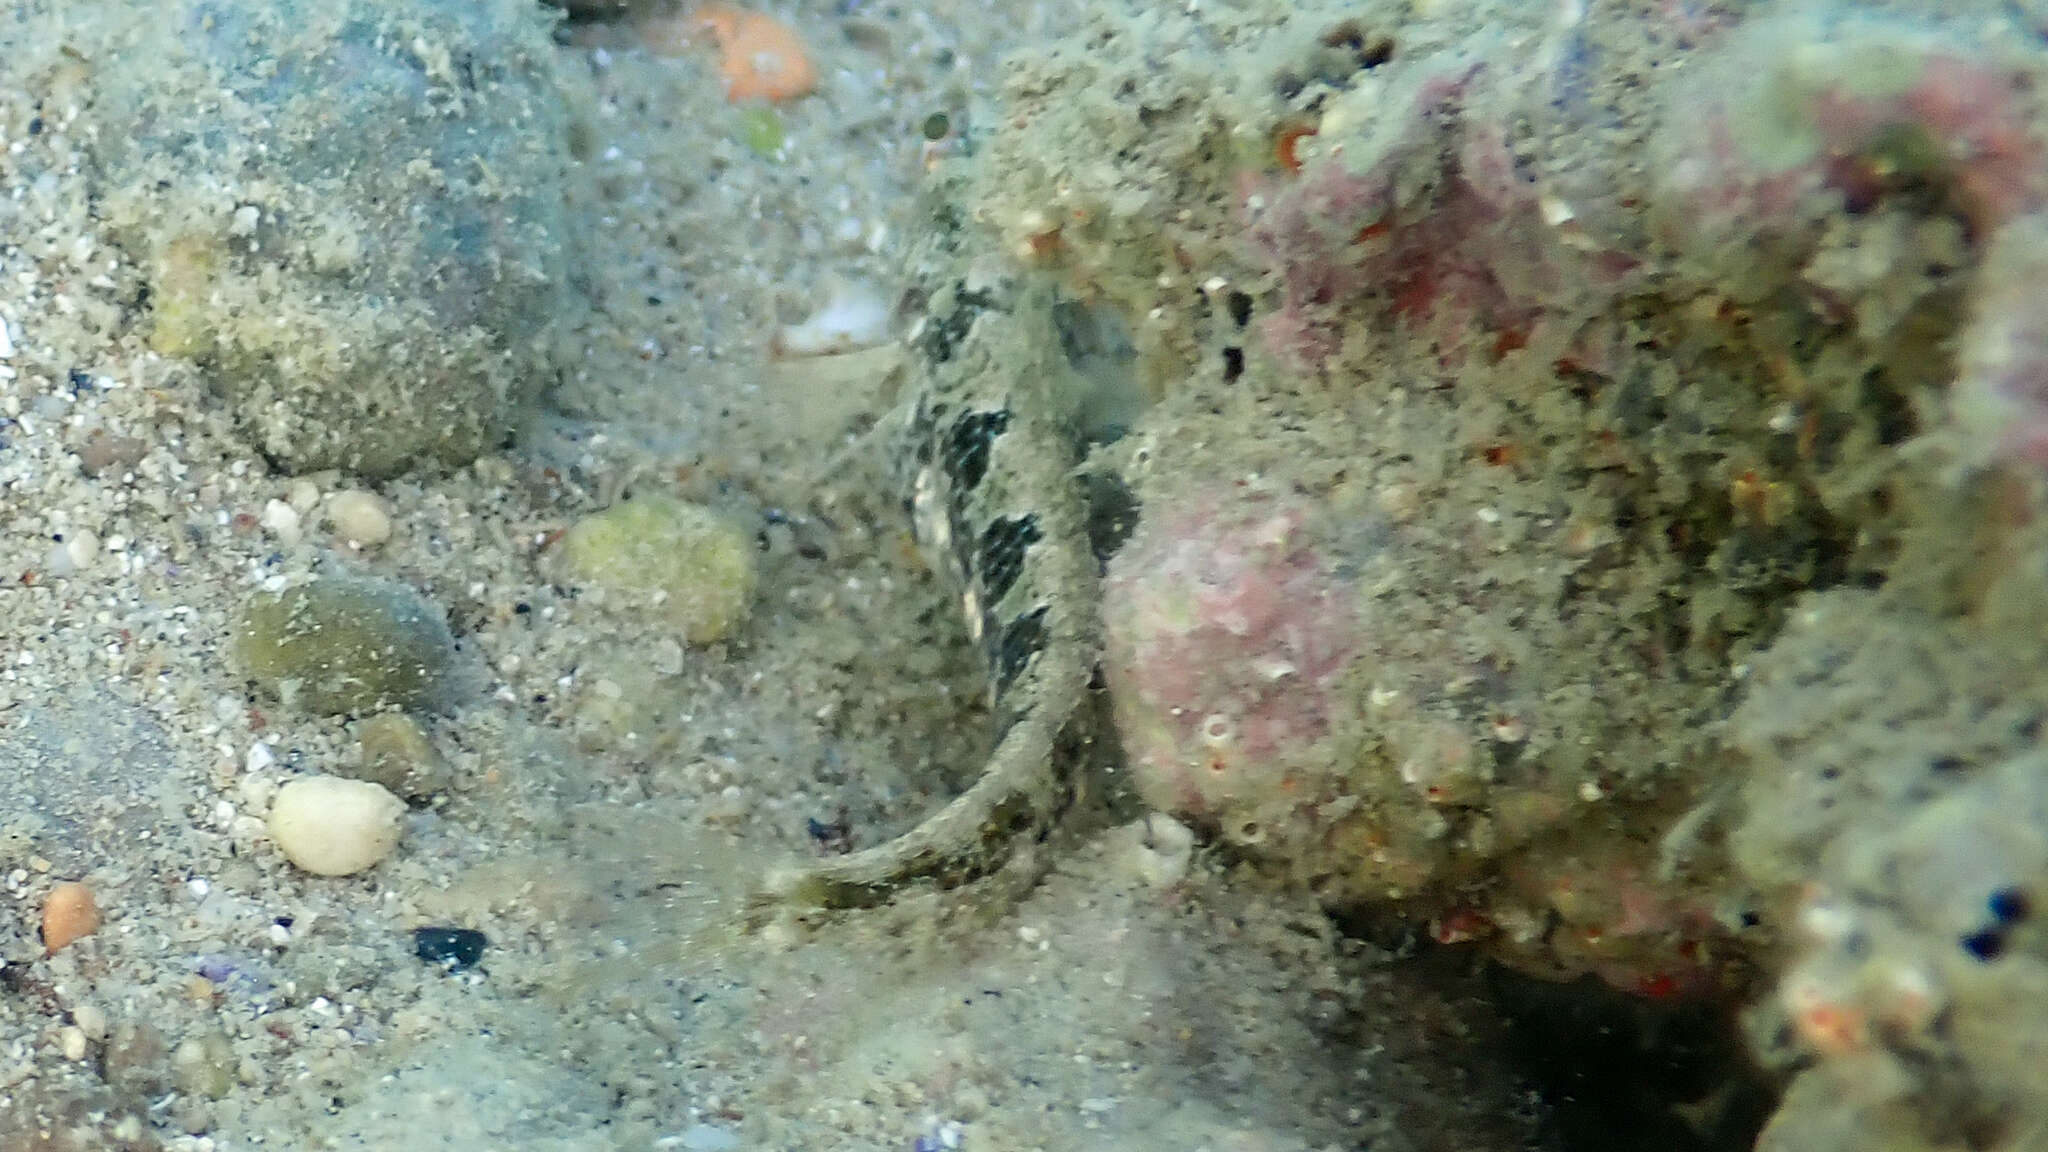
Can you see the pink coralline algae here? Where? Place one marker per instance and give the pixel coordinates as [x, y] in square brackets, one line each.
[1431, 222]
[1816, 130]
[1228, 631]
[1877, 116]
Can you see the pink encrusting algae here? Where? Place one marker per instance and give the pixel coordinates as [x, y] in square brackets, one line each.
[1228, 631]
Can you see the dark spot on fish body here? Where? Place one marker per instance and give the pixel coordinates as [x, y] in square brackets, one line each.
[1003, 544]
[1021, 639]
[965, 454]
[1112, 513]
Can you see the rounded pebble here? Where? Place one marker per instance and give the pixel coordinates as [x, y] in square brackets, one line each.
[330, 826]
[361, 519]
[69, 913]
[204, 1065]
[91, 1020]
[343, 643]
[708, 1138]
[378, 299]
[686, 564]
[397, 755]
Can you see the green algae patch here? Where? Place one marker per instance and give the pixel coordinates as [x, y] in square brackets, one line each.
[687, 566]
[347, 644]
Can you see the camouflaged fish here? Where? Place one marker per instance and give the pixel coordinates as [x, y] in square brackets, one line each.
[996, 504]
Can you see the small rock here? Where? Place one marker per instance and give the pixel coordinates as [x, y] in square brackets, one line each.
[397, 755]
[204, 1065]
[855, 315]
[72, 554]
[330, 826]
[709, 1138]
[687, 565]
[1160, 850]
[137, 1060]
[69, 913]
[283, 522]
[102, 453]
[347, 644]
[91, 1020]
[453, 948]
[68, 1111]
[302, 494]
[361, 519]
[257, 249]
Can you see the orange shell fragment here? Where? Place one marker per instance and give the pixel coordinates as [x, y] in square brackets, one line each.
[759, 57]
[69, 913]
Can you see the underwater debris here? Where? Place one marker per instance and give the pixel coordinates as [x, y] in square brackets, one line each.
[452, 949]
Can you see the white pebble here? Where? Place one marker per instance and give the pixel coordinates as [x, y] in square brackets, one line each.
[330, 826]
[83, 545]
[282, 520]
[360, 518]
[92, 1021]
[855, 316]
[76, 552]
[1161, 850]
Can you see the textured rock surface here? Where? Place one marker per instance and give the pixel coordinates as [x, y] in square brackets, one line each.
[354, 218]
[1640, 361]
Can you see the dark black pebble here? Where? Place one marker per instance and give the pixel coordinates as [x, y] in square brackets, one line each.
[452, 948]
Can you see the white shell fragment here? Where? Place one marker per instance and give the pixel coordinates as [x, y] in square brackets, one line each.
[855, 316]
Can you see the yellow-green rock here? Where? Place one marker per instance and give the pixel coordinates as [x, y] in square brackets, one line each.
[343, 643]
[204, 1065]
[397, 754]
[688, 567]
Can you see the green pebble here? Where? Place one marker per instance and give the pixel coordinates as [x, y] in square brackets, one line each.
[397, 755]
[761, 127]
[687, 565]
[342, 644]
[205, 1066]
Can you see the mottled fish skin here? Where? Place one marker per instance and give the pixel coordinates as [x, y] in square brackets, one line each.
[991, 483]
